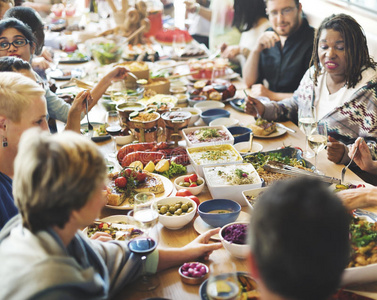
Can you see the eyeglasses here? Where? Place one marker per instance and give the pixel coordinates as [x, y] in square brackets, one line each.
[16, 43]
[284, 12]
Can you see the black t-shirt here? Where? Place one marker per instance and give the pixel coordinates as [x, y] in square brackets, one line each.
[284, 68]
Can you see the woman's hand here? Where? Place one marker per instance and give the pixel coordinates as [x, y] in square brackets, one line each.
[230, 52]
[363, 158]
[358, 198]
[335, 150]
[101, 236]
[78, 106]
[252, 105]
[40, 63]
[117, 74]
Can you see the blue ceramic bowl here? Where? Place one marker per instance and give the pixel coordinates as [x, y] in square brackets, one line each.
[240, 134]
[219, 219]
[196, 99]
[214, 113]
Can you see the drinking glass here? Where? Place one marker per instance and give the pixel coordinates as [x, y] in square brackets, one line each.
[118, 91]
[306, 122]
[113, 128]
[179, 44]
[145, 212]
[222, 282]
[317, 141]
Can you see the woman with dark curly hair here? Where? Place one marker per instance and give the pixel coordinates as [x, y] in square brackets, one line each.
[341, 85]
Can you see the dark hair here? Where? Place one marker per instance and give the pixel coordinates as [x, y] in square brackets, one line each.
[299, 236]
[13, 64]
[356, 48]
[18, 25]
[30, 17]
[247, 13]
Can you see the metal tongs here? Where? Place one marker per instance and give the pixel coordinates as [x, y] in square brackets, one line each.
[278, 167]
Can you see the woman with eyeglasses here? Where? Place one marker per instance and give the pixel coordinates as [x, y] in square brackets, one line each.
[16, 39]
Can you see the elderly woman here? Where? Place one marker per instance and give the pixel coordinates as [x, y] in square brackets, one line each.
[16, 39]
[341, 85]
[58, 188]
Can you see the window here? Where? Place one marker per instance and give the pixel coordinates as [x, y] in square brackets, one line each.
[370, 5]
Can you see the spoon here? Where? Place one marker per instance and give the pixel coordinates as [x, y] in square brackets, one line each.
[256, 109]
[90, 126]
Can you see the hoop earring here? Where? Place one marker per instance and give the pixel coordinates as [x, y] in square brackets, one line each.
[5, 142]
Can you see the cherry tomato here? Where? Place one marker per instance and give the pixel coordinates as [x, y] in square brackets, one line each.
[183, 193]
[193, 185]
[196, 199]
[121, 182]
[193, 177]
[128, 172]
[140, 176]
[186, 179]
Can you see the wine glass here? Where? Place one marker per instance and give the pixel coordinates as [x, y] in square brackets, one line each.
[317, 141]
[222, 282]
[118, 91]
[179, 44]
[145, 212]
[113, 128]
[306, 122]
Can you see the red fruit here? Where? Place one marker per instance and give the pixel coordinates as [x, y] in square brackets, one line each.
[360, 186]
[196, 199]
[128, 172]
[121, 182]
[140, 176]
[193, 177]
[186, 179]
[183, 193]
[193, 185]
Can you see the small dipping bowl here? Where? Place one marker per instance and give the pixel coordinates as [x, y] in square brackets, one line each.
[219, 219]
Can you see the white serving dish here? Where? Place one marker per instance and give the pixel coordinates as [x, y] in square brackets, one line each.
[236, 250]
[194, 190]
[193, 152]
[205, 105]
[227, 122]
[253, 193]
[228, 191]
[187, 131]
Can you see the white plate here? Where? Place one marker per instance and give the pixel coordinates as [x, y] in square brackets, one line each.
[279, 131]
[117, 219]
[168, 185]
[200, 226]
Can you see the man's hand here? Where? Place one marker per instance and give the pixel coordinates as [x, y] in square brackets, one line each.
[335, 150]
[267, 40]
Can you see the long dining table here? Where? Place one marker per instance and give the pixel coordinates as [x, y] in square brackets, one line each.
[171, 286]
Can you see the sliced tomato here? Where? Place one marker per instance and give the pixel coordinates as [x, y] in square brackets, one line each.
[193, 177]
[183, 193]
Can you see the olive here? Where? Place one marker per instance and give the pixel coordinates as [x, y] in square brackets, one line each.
[189, 204]
[159, 206]
[163, 209]
[186, 184]
[178, 212]
[184, 207]
[168, 214]
[199, 182]
[172, 209]
[182, 183]
[178, 205]
[190, 209]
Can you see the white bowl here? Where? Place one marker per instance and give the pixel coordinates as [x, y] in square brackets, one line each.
[243, 147]
[227, 122]
[124, 139]
[176, 222]
[195, 114]
[194, 190]
[205, 105]
[195, 152]
[252, 193]
[228, 191]
[236, 250]
[187, 131]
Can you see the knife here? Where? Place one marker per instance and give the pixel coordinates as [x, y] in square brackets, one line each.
[285, 127]
[288, 170]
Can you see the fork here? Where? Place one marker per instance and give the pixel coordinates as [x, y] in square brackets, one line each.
[90, 126]
[255, 107]
[346, 167]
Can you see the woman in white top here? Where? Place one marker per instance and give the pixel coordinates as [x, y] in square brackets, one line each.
[251, 20]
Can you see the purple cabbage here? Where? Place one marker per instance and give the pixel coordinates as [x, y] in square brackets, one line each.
[235, 233]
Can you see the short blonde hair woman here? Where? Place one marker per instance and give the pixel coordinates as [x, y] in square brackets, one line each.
[58, 187]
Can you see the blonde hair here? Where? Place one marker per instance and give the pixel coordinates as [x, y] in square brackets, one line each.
[17, 92]
[55, 175]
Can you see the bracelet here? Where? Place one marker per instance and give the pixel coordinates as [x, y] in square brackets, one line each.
[197, 8]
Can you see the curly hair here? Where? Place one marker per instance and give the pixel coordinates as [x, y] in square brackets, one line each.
[356, 48]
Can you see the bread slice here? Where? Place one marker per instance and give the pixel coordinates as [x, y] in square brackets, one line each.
[263, 127]
[151, 184]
